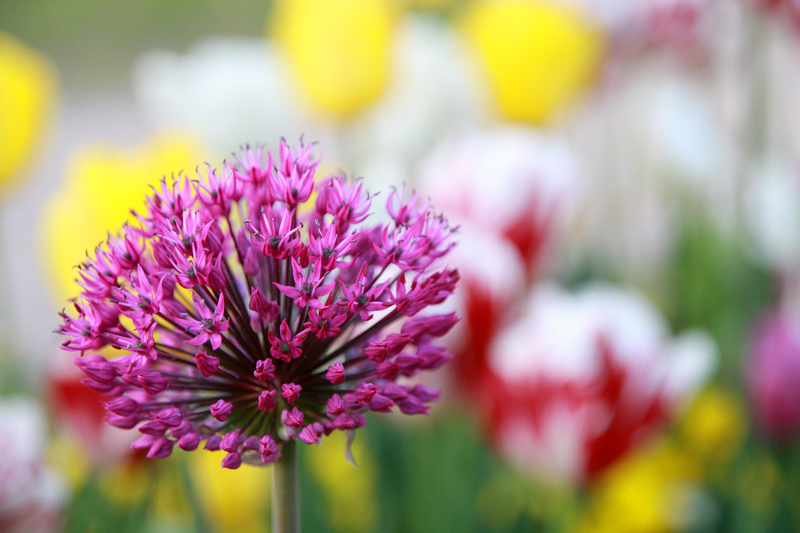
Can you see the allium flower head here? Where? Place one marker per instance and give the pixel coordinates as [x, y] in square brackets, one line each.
[249, 311]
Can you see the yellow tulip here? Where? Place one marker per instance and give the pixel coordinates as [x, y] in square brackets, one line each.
[66, 453]
[102, 184]
[125, 482]
[338, 50]
[647, 490]
[28, 85]
[538, 55]
[233, 500]
[129, 482]
[642, 492]
[714, 426]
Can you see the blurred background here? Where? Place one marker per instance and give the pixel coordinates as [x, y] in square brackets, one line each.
[626, 177]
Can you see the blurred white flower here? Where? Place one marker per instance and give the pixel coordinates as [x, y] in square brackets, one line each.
[229, 90]
[655, 151]
[433, 91]
[772, 213]
[689, 139]
[31, 495]
[225, 90]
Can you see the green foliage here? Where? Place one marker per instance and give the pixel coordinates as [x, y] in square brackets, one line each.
[69, 32]
[713, 285]
[92, 511]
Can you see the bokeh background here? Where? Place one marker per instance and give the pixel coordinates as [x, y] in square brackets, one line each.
[627, 181]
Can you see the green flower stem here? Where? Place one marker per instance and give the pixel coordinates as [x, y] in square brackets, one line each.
[286, 492]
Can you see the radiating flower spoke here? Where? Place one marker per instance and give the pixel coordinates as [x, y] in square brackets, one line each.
[245, 320]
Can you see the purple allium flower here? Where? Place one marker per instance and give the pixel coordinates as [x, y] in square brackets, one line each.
[237, 296]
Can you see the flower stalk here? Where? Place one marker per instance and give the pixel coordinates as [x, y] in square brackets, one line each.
[286, 492]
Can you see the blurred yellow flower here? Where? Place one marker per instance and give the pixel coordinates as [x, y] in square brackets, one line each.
[643, 493]
[101, 185]
[349, 490]
[28, 85]
[538, 55]
[70, 457]
[658, 489]
[338, 49]
[235, 501]
[714, 426]
[129, 483]
[124, 482]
